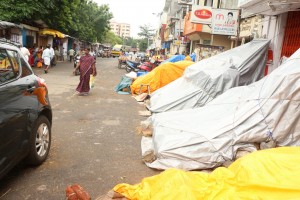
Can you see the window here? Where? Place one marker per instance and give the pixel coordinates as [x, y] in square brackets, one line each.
[15, 38]
[207, 42]
[25, 70]
[9, 65]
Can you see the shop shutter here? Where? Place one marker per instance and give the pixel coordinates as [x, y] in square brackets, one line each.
[291, 41]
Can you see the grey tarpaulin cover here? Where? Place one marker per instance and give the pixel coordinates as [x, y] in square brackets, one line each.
[204, 80]
[206, 137]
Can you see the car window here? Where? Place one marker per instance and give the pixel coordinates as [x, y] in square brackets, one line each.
[25, 69]
[9, 65]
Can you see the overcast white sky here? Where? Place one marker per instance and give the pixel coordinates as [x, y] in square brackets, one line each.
[135, 12]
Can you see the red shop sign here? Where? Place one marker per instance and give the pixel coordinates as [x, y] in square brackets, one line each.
[203, 14]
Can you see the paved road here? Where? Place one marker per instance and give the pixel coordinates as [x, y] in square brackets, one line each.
[94, 142]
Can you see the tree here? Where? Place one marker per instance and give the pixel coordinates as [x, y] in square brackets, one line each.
[146, 31]
[83, 19]
[143, 44]
[130, 42]
[112, 39]
[17, 11]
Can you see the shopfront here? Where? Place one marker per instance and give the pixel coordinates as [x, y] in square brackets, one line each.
[10, 31]
[281, 24]
[291, 41]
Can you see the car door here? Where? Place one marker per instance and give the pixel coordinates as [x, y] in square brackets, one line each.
[14, 109]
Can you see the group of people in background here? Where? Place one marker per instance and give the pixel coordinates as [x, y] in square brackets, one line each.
[39, 56]
[47, 57]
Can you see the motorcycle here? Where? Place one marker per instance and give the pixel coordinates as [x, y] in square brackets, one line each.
[149, 65]
[132, 66]
[76, 61]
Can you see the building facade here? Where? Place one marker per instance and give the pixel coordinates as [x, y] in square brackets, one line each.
[120, 29]
[182, 34]
[276, 20]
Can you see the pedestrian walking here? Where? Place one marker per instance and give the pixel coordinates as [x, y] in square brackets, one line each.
[61, 52]
[47, 58]
[39, 61]
[86, 67]
[25, 52]
[52, 56]
[71, 54]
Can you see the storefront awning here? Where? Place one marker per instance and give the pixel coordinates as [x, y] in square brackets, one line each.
[4, 25]
[54, 33]
[267, 7]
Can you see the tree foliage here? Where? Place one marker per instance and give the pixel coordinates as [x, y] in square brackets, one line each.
[146, 31]
[112, 39]
[143, 44]
[83, 19]
[129, 41]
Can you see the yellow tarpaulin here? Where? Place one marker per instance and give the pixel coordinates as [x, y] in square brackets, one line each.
[268, 174]
[54, 33]
[160, 76]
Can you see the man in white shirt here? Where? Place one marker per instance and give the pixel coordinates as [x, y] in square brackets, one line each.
[52, 56]
[46, 56]
[25, 52]
[71, 54]
[134, 56]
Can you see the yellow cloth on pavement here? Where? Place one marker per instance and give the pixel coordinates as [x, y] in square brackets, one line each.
[160, 76]
[268, 174]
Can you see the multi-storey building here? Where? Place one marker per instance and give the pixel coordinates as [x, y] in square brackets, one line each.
[120, 29]
[183, 34]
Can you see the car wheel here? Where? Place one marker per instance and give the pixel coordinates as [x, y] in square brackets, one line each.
[40, 141]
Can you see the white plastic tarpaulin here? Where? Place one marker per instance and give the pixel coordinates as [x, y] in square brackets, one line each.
[208, 136]
[204, 80]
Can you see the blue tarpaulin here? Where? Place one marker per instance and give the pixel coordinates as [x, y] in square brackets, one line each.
[124, 85]
[175, 58]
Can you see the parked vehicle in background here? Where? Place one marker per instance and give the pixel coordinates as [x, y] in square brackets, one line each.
[141, 56]
[25, 111]
[106, 53]
[100, 52]
[76, 61]
[132, 66]
[149, 65]
[116, 50]
[122, 60]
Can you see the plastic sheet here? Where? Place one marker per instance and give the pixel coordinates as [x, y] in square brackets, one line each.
[270, 175]
[123, 86]
[160, 76]
[208, 136]
[208, 78]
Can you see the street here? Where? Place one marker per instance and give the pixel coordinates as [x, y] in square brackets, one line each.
[94, 143]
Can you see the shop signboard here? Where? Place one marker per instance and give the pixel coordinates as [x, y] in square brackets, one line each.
[201, 14]
[224, 22]
[251, 26]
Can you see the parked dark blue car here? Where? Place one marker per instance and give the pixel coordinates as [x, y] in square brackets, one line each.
[25, 111]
